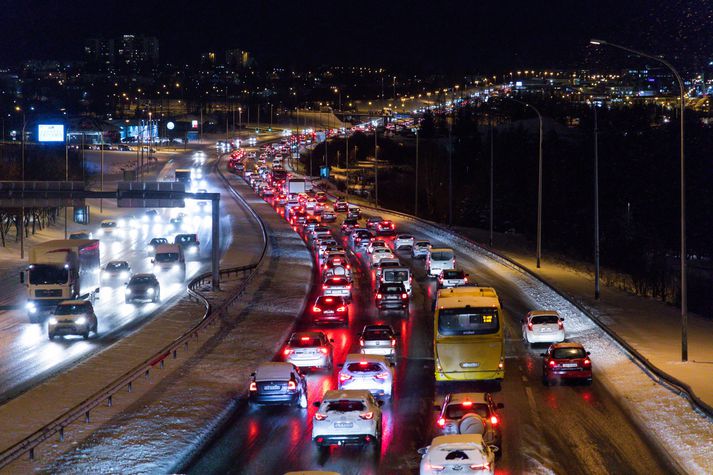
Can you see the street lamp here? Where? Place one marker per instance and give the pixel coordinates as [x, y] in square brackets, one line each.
[682, 99]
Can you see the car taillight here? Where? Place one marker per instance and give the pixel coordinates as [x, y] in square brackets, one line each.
[324, 350]
[367, 416]
[316, 309]
[320, 417]
[393, 342]
[253, 386]
[379, 296]
[404, 295]
[465, 279]
[287, 352]
[552, 363]
[437, 468]
[561, 324]
[361, 342]
[324, 286]
[479, 467]
[587, 362]
[529, 326]
[342, 309]
[349, 286]
[441, 422]
[344, 377]
[381, 376]
[291, 385]
[494, 420]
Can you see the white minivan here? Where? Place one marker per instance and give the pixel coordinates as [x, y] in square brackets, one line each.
[397, 275]
[439, 259]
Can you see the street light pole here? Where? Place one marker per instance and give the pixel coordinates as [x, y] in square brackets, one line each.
[376, 167]
[415, 194]
[492, 172]
[682, 105]
[346, 170]
[596, 206]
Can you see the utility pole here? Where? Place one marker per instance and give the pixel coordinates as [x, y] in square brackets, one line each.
[596, 205]
[346, 136]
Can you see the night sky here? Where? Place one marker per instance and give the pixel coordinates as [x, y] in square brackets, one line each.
[417, 35]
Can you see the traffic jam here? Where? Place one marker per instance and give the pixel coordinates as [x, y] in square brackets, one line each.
[343, 363]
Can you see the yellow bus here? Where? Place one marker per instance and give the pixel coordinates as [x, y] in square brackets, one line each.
[468, 339]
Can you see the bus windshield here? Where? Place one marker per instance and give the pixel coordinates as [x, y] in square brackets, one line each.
[467, 321]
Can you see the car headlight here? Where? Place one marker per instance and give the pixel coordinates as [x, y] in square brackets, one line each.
[121, 223]
[193, 249]
[150, 248]
[52, 321]
[127, 291]
[176, 267]
[124, 275]
[150, 291]
[81, 320]
[31, 307]
[100, 232]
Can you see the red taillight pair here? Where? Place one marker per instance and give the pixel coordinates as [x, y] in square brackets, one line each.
[344, 377]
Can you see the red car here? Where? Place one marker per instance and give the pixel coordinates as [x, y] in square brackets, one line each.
[566, 361]
[385, 228]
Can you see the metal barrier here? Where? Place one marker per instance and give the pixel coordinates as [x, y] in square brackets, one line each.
[143, 370]
[658, 375]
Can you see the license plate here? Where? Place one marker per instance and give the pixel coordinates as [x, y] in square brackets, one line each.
[569, 365]
[545, 330]
[271, 387]
[343, 425]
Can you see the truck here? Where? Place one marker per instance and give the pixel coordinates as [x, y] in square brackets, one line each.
[60, 270]
[183, 175]
[296, 185]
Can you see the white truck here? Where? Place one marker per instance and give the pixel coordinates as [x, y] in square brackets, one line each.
[297, 185]
[60, 270]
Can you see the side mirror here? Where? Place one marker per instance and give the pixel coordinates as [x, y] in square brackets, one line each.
[422, 451]
[22, 277]
[500, 405]
[153, 261]
[252, 375]
[561, 319]
[317, 403]
[494, 448]
[588, 353]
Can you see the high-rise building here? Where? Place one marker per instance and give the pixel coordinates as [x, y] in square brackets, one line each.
[238, 58]
[99, 52]
[135, 52]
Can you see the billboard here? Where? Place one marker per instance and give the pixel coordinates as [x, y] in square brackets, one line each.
[50, 133]
[194, 124]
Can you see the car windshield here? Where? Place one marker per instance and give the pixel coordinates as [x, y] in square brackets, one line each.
[467, 321]
[185, 238]
[364, 367]
[568, 353]
[79, 236]
[70, 309]
[456, 411]
[144, 279]
[422, 244]
[405, 236]
[380, 334]
[109, 224]
[396, 275]
[157, 241]
[392, 289]
[117, 266]
[167, 257]
[453, 274]
[305, 341]
[441, 256]
[48, 274]
[543, 319]
[345, 406]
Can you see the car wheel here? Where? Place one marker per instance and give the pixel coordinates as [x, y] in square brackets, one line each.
[303, 401]
[86, 335]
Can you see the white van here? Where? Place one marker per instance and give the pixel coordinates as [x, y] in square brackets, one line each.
[397, 275]
[439, 259]
[169, 259]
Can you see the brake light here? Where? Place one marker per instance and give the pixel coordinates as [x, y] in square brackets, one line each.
[361, 342]
[437, 468]
[465, 279]
[441, 422]
[367, 416]
[319, 416]
[363, 363]
[587, 362]
[561, 324]
[253, 386]
[324, 286]
[529, 326]
[404, 296]
[305, 338]
[349, 286]
[494, 420]
[324, 350]
[393, 342]
[467, 404]
[485, 466]
[342, 309]
[291, 385]
[316, 309]
[381, 376]
[379, 296]
[344, 377]
[552, 363]
[287, 352]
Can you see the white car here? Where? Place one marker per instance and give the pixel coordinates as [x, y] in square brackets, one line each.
[439, 259]
[376, 243]
[384, 264]
[309, 350]
[381, 253]
[337, 286]
[404, 241]
[543, 326]
[420, 249]
[108, 227]
[449, 278]
[371, 372]
[347, 417]
[461, 453]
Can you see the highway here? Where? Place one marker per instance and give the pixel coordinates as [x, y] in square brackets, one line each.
[560, 429]
[28, 357]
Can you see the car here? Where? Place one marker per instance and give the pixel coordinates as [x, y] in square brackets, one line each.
[449, 278]
[188, 242]
[176, 222]
[378, 339]
[374, 244]
[371, 372]
[397, 275]
[420, 249]
[107, 227]
[328, 217]
[457, 453]
[337, 286]
[340, 205]
[278, 383]
[392, 296]
[347, 417]
[335, 259]
[310, 224]
[348, 225]
[384, 264]
[142, 287]
[321, 245]
[360, 238]
[404, 241]
[153, 243]
[543, 326]
[327, 309]
[354, 212]
[151, 216]
[311, 203]
[439, 259]
[72, 317]
[373, 221]
[309, 350]
[321, 196]
[281, 199]
[116, 271]
[566, 362]
[385, 228]
[471, 413]
[80, 235]
[381, 253]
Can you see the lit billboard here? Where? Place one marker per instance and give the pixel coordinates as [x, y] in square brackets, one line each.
[50, 133]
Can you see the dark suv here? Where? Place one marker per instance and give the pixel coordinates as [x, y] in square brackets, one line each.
[143, 287]
[278, 383]
[392, 296]
[189, 243]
